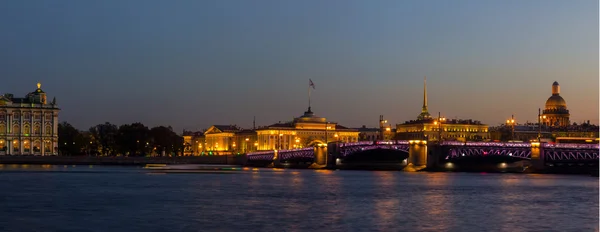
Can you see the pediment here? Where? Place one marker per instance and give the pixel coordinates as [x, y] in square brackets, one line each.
[213, 130]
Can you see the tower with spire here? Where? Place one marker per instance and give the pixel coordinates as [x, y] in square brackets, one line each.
[424, 111]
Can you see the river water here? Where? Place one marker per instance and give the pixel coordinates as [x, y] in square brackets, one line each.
[95, 198]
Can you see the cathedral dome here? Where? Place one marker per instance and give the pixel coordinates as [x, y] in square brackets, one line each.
[556, 102]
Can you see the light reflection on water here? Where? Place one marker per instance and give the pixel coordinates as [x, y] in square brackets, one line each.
[99, 198]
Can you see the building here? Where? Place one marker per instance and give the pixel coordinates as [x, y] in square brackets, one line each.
[229, 139]
[29, 125]
[368, 134]
[555, 113]
[531, 131]
[433, 130]
[304, 131]
[436, 129]
[193, 143]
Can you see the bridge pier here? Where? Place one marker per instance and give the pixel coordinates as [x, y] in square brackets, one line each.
[417, 155]
[537, 156]
[321, 157]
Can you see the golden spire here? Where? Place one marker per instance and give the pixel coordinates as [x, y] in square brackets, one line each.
[425, 94]
[39, 85]
[424, 112]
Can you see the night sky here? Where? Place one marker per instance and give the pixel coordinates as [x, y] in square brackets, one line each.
[194, 63]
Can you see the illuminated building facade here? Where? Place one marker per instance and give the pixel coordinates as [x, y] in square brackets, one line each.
[29, 125]
[228, 139]
[555, 113]
[433, 130]
[193, 142]
[304, 131]
[436, 129]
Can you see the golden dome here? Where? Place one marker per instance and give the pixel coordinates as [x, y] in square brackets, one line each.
[556, 102]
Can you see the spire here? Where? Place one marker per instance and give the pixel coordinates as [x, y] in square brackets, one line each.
[425, 94]
[424, 111]
[39, 85]
[254, 123]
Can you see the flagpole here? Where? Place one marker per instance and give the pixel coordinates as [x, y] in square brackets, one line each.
[308, 97]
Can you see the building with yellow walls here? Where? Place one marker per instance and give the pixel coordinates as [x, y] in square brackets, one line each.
[436, 129]
[555, 113]
[29, 125]
[304, 131]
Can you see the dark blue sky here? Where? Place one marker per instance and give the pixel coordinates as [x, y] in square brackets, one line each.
[191, 64]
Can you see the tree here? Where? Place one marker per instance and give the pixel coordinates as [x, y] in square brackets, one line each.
[105, 138]
[164, 139]
[133, 139]
[70, 140]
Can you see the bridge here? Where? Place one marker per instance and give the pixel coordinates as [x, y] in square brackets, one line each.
[419, 154]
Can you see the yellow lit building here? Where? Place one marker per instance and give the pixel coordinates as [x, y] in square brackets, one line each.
[304, 131]
[556, 113]
[220, 137]
[29, 125]
[229, 139]
[433, 130]
[193, 143]
[436, 129]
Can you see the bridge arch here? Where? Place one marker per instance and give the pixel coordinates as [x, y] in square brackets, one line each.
[315, 142]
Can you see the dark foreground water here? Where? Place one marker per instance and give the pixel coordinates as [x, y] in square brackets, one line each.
[58, 198]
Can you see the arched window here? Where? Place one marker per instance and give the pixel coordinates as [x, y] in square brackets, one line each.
[16, 146]
[2, 129]
[36, 146]
[16, 129]
[26, 129]
[36, 129]
[48, 146]
[26, 146]
[48, 130]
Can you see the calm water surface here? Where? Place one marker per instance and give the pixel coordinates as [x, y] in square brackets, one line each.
[59, 198]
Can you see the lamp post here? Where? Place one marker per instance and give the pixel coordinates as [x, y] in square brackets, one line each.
[511, 122]
[280, 140]
[438, 122]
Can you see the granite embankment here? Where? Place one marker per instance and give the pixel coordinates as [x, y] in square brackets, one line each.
[85, 160]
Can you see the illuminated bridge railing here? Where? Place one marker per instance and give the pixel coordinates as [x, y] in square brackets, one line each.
[365, 143]
[304, 153]
[572, 146]
[571, 155]
[520, 152]
[345, 151]
[261, 155]
[485, 144]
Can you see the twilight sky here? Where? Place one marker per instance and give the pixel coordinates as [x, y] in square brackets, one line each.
[194, 63]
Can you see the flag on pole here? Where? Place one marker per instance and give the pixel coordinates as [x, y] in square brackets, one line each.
[311, 84]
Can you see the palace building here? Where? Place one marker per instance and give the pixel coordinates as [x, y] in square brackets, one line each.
[29, 125]
[436, 129]
[304, 131]
[555, 113]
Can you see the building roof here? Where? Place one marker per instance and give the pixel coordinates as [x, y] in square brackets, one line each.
[448, 121]
[227, 128]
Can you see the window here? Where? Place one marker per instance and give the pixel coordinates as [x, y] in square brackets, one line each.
[26, 116]
[48, 146]
[26, 129]
[16, 129]
[2, 129]
[36, 129]
[48, 130]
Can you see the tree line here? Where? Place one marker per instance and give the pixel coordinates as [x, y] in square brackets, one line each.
[108, 139]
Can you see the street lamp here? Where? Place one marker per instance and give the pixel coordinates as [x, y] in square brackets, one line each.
[280, 140]
[511, 122]
[438, 122]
